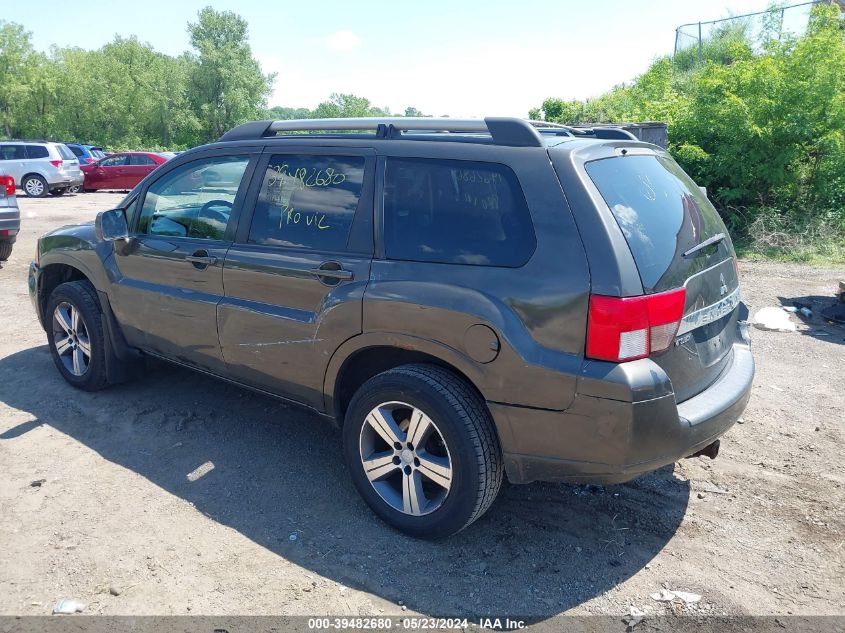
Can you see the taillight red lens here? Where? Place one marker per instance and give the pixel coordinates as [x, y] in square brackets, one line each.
[9, 183]
[627, 328]
[55, 163]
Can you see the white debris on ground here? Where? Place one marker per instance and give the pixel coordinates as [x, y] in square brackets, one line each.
[773, 318]
[668, 595]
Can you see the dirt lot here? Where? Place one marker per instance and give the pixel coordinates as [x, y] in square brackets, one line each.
[277, 528]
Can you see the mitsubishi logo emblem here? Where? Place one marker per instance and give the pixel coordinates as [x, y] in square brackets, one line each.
[724, 287]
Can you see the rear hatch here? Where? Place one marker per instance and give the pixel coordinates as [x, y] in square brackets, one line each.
[69, 162]
[677, 240]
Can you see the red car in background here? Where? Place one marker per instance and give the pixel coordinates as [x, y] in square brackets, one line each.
[123, 170]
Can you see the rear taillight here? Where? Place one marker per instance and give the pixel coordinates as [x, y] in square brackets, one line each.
[627, 328]
[9, 184]
[56, 163]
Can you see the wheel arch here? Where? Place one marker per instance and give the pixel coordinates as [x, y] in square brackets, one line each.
[34, 173]
[53, 275]
[364, 356]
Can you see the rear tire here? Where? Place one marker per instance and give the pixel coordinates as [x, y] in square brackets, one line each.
[5, 250]
[438, 466]
[74, 189]
[74, 322]
[34, 186]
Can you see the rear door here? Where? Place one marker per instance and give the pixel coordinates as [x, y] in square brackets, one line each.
[137, 169]
[677, 239]
[295, 278]
[171, 272]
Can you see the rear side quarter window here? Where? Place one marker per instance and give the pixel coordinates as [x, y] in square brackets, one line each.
[456, 212]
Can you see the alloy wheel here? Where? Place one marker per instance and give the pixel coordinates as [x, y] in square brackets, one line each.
[405, 458]
[34, 187]
[70, 336]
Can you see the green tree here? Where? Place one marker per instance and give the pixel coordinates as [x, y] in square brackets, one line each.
[227, 85]
[346, 105]
[18, 64]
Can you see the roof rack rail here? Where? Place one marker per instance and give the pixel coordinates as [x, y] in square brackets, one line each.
[598, 131]
[502, 130]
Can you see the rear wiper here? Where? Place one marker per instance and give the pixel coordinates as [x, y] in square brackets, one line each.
[709, 241]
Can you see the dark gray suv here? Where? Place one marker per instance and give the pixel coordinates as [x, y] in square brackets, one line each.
[467, 299]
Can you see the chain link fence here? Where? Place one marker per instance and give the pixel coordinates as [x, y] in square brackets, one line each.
[692, 40]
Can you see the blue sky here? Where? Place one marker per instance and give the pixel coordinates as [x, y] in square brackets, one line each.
[442, 57]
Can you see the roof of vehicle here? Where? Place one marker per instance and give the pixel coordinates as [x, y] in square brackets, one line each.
[502, 131]
[31, 141]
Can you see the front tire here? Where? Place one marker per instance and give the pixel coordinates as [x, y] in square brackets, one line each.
[34, 186]
[75, 335]
[422, 450]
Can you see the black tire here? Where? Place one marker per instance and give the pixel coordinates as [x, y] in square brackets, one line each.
[58, 192]
[35, 186]
[461, 418]
[5, 250]
[74, 189]
[81, 296]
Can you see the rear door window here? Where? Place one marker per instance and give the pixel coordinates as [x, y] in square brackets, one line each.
[140, 159]
[308, 201]
[37, 151]
[456, 212]
[662, 214]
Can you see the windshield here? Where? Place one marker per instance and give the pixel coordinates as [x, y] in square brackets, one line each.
[662, 214]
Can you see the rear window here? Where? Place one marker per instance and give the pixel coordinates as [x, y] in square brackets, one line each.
[64, 152]
[662, 214]
[456, 212]
[97, 152]
[76, 150]
[37, 151]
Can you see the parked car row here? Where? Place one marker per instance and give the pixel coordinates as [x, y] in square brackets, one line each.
[40, 168]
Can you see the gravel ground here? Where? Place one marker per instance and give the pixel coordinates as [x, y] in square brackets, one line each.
[274, 526]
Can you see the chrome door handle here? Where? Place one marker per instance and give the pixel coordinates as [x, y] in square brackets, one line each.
[201, 258]
[339, 274]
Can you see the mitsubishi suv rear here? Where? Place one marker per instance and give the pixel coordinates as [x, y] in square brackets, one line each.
[465, 299]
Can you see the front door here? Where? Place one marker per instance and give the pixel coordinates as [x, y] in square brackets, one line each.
[171, 272]
[110, 173]
[295, 278]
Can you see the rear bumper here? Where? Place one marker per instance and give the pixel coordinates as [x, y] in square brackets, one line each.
[601, 440]
[67, 180]
[10, 223]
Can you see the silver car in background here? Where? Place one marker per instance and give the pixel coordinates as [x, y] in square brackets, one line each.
[40, 167]
[10, 216]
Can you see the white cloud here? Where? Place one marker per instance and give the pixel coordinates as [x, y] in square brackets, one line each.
[343, 41]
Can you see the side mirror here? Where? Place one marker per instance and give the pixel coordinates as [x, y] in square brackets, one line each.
[111, 226]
